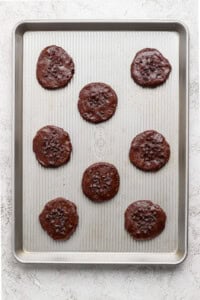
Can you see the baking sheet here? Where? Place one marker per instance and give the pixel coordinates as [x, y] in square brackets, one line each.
[103, 55]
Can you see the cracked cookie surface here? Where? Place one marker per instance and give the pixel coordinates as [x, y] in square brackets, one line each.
[149, 151]
[100, 182]
[59, 218]
[150, 68]
[52, 146]
[144, 220]
[55, 67]
[97, 102]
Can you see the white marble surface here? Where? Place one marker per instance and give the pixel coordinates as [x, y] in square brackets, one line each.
[98, 282]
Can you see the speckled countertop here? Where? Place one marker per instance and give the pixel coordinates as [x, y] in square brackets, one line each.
[98, 282]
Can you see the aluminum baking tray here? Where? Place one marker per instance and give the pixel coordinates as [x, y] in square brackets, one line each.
[102, 51]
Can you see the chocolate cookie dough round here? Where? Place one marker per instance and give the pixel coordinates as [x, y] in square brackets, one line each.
[52, 146]
[97, 102]
[100, 182]
[149, 151]
[55, 68]
[59, 218]
[150, 68]
[144, 220]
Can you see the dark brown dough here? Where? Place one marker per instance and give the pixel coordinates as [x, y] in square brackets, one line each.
[55, 68]
[149, 151]
[144, 220]
[100, 182]
[97, 102]
[150, 68]
[59, 218]
[52, 146]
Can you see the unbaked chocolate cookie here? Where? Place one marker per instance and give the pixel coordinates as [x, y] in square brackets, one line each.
[97, 102]
[149, 151]
[100, 182]
[52, 146]
[55, 68]
[144, 220]
[150, 68]
[59, 218]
